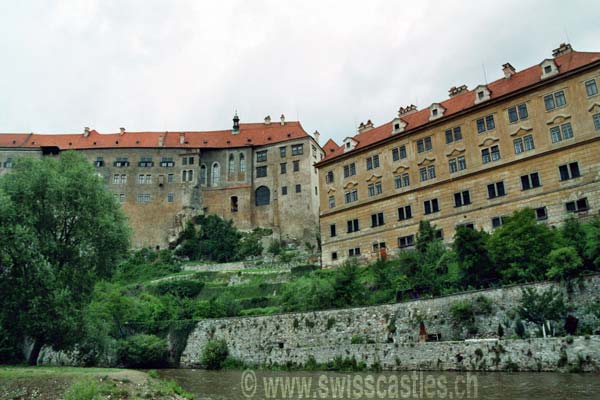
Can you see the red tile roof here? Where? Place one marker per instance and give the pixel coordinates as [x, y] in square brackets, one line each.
[330, 146]
[251, 134]
[465, 100]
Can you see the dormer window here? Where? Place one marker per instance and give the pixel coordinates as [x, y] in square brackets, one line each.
[482, 93]
[398, 125]
[349, 144]
[436, 111]
[549, 68]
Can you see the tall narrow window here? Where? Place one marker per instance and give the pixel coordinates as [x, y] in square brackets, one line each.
[263, 196]
[216, 174]
[203, 175]
[242, 164]
[234, 203]
[231, 166]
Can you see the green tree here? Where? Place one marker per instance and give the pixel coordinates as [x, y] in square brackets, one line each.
[592, 246]
[541, 306]
[307, 293]
[565, 264]
[215, 239]
[66, 232]
[476, 268]
[427, 234]
[346, 285]
[519, 249]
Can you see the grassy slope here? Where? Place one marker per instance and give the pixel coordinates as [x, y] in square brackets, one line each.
[83, 383]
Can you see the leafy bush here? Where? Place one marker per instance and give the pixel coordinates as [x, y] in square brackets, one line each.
[564, 264]
[214, 354]
[307, 293]
[304, 269]
[86, 389]
[143, 351]
[179, 288]
[539, 307]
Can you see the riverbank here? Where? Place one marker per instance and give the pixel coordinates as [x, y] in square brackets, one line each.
[70, 383]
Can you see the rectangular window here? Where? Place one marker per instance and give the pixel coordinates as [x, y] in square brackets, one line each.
[296, 165]
[404, 213]
[116, 179]
[427, 173]
[122, 198]
[352, 225]
[562, 132]
[355, 252]
[349, 170]
[590, 87]
[541, 213]
[331, 201]
[496, 190]
[377, 220]
[188, 160]
[406, 241]
[596, 119]
[329, 178]
[462, 198]
[577, 206]
[555, 100]
[170, 197]
[332, 231]
[498, 221]
[334, 256]
[99, 162]
[297, 149]
[490, 154]
[453, 135]
[167, 162]
[146, 162]
[378, 246]
[486, 123]
[431, 206]
[399, 153]
[373, 162]
[424, 144]
[121, 162]
[284, 190]
[298, 188]
[282, 151]
[530, 181]
[457, 164]
[143, 198]
[517, 113]
[141, 179]
[401, 181]
[170, 178]
[351, 196]
[283, 168]
[374, 189]
[528, 143]
[261, 156]
[569, 171]
[261, 172]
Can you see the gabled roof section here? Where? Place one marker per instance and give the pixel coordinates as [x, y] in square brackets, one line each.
[499, 88]
[330, 147]
[251, 134]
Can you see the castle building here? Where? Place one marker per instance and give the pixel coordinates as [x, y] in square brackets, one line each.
[528, 139]
[257, 174]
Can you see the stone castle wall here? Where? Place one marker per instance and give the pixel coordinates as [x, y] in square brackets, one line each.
[389, 333]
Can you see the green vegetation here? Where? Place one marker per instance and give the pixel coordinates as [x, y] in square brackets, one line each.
[214, 354]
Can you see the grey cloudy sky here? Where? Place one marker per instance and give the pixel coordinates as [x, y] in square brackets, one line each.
[187, 65]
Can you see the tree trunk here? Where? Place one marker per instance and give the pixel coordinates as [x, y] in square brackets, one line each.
[35, 352]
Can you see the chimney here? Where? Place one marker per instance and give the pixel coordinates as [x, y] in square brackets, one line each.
[365, 127]
[86, 131]
[564, 48]
[508, 70]
[122, 131]
[161, 141]
[407, 110]
[268, 120]
[181, 138]
[455, 91]
[317, 135]
[236, 124]
[282, 119]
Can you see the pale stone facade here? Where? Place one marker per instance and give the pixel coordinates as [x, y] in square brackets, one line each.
[164, 179]
[508, 137]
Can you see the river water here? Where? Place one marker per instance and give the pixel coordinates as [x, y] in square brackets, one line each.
[238, 385]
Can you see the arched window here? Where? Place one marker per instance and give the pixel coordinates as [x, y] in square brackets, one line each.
[231, 166]
[242, 163]
[203, 175]
[263, 196]
[216, 174]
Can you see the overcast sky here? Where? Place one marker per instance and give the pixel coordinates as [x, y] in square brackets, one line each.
[188, 65]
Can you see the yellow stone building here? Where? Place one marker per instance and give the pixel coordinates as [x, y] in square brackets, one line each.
[528, 139]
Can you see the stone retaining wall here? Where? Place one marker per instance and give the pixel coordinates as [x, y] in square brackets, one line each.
[390, 332]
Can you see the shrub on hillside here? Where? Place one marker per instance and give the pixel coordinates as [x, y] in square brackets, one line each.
[143, 351]
[214, 354]
[179, 288]
[304, 269]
